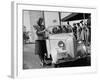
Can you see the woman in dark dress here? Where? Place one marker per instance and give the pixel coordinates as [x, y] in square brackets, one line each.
[41, 42]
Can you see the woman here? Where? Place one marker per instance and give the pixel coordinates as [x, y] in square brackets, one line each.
[41, 42]
[84, 33]
[79, 30]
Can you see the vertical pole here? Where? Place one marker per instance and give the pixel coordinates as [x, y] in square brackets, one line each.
[59, 17]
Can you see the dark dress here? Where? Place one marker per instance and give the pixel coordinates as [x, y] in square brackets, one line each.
[41, 45]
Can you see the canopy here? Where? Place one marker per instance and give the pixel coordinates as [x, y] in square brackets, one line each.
[76, 16]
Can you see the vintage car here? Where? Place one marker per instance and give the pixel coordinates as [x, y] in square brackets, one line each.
[64, 48]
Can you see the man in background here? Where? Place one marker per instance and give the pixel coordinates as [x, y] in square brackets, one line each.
[69, 27]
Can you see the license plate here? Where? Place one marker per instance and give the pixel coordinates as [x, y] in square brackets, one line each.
[62, 55]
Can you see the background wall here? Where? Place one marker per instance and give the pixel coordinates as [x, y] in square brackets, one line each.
[51, 19]
[26, 19]
[5, 39]
[34, 17]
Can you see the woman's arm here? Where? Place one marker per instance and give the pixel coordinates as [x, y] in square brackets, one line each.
[39, 32]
